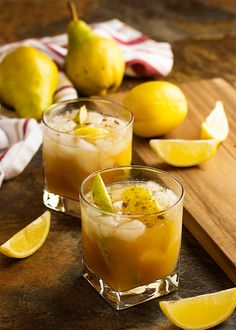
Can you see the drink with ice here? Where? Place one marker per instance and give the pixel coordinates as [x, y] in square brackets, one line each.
[131, 254]
[73, 148]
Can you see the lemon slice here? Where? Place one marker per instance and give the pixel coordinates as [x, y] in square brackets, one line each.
[138, 200]
[100, 194]
[184, 153]
[200, 312]
[81, 116]
[29, 239]
[215, 126]
[90, 131]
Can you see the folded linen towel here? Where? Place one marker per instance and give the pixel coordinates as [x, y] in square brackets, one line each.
[143, 56]
[65, 89]
[19, 141]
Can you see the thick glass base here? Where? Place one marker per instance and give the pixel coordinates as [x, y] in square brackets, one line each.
[125, 299]
[61, 204]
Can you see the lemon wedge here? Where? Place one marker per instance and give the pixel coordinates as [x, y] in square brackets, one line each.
[28, 240]
[215, 126]
[100, 194]
[200, 312]
[90, 131]
[184, 153]
[138, 200]
[81, 116]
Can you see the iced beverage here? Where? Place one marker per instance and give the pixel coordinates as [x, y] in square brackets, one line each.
[135, 248]
[76, 144]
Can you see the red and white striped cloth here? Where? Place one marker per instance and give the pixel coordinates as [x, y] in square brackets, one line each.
[144, 57]
[19, 141]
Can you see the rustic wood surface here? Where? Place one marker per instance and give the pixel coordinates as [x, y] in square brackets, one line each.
[46, 291]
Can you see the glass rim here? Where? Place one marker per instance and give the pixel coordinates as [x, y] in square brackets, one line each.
[96, 99]
[141, 167]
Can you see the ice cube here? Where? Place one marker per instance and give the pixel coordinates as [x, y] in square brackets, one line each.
[118, 146]
[90, 225]
[154, 186]
[131, 230]
[105, 145]
[67, 140]
[107, 225]
[95, 118]
[118, 205]
[114, 123]
[86, 146]
[164, 196]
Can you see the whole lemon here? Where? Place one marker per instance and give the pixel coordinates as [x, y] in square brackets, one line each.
[158, 107]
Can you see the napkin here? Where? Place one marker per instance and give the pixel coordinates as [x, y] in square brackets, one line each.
[144, 57]
[65, 89]
[19, 141]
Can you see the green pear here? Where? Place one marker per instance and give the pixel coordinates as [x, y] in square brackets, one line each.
[94, 64]
[28, 79]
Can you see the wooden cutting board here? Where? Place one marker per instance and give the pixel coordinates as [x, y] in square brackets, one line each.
[210, 198]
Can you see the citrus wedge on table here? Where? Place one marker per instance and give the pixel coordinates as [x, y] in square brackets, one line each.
[200, 312]
[100, 194]
[184, 153]
[215, 126]
[28, 240]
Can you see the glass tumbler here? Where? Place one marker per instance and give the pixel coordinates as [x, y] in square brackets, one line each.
[69, 154]
[131, 258]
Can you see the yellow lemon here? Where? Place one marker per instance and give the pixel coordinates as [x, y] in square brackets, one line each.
[215, 126]
[90, 131]
[158, 107]
[200, 312]
[29, 239]
[184, 153]
[138, 200]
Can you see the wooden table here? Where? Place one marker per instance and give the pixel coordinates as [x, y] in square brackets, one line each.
[46, 291]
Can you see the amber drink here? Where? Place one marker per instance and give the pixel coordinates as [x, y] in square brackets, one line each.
[130, 255]
[75, 144]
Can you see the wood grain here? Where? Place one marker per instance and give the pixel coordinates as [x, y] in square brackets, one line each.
[210, 188]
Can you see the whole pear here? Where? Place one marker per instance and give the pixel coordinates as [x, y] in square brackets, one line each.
[94, 64]
[28, 79]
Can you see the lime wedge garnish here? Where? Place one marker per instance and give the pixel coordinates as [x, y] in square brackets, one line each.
[100, 194]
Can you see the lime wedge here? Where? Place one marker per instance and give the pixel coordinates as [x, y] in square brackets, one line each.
[100, 194]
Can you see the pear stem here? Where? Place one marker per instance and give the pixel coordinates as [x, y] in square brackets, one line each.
[73, 10]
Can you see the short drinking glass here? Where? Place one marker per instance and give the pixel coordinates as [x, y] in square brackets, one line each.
[130, 255]
[72, 150]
